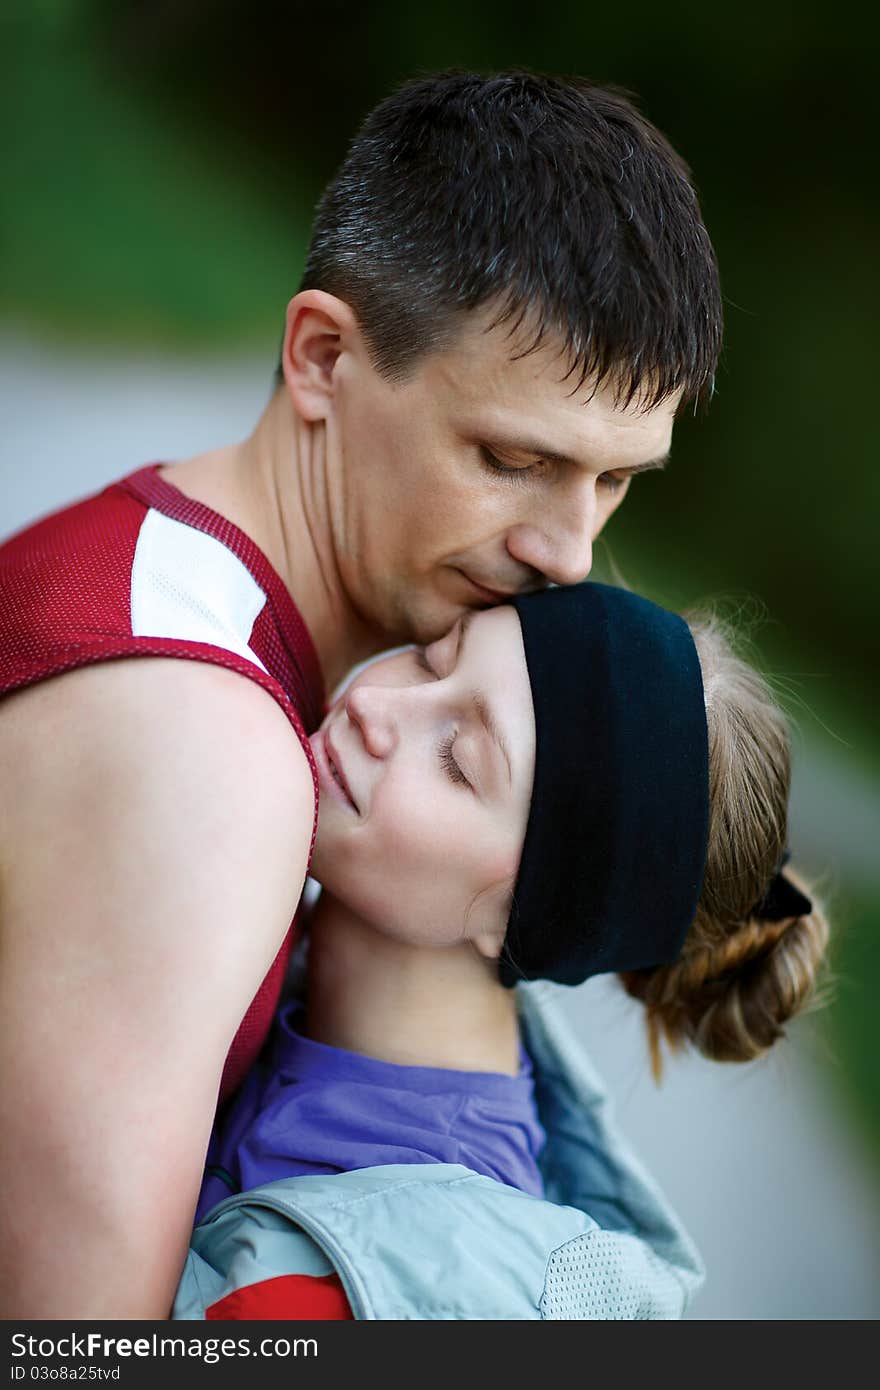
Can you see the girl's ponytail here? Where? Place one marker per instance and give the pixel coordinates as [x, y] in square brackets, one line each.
[739, 977]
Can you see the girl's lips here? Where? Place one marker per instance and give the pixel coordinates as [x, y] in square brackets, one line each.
[326, 760]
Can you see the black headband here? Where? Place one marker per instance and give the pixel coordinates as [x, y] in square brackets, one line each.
[615, 847]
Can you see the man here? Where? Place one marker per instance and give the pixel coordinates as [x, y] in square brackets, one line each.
[508, 296]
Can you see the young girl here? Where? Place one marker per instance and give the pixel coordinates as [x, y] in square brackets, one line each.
[576, 783]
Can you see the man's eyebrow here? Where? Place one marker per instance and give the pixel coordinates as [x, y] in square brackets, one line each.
[522, 445]
[487, 718]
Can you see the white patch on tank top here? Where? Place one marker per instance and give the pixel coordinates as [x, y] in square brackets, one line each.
[188, 585]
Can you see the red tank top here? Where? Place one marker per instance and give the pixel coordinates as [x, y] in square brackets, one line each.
[142, 570]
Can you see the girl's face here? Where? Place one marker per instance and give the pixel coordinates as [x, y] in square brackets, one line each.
[425, 766]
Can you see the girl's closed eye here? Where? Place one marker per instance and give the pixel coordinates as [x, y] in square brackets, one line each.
[444, 750]
[450, 766]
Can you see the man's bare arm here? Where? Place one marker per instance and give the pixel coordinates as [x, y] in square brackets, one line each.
[155, 820]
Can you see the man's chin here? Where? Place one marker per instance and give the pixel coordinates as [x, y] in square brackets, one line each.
[425, 614]
[430, 626]
[429, 616]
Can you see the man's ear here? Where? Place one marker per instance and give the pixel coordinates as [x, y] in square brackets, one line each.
[319, 327]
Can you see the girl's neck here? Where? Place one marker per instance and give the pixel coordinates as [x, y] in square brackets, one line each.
[411, 1005]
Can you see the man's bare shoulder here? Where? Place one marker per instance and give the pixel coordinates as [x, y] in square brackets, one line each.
[120, 711]
[156, 822]
[130, 745]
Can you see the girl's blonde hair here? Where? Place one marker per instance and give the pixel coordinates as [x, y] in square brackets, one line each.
[739, 978]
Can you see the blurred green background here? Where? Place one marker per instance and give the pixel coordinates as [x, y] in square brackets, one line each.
[161, 162]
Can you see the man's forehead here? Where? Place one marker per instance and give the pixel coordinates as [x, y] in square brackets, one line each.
[525, 405]
[483, 354]
[487, 384]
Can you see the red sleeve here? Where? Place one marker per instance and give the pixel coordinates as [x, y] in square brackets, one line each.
[292, 1297]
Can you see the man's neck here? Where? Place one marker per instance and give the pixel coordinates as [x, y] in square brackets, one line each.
[274, 487]
[411, 1005]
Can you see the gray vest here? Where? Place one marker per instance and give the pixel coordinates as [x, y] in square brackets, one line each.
[437, 1241]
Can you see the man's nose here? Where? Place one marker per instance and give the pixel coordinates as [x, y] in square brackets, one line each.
[371, 708]
[559, 545]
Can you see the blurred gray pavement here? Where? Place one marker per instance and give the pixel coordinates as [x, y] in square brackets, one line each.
[761, 1161]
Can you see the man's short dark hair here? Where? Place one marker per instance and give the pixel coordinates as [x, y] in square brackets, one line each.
[550, 200]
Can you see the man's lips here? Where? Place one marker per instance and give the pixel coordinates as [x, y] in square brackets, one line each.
[328, 762]
[489, 595]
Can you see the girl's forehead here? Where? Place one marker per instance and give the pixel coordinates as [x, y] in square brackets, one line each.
[494, 644]
[487, 646]
[365, 665]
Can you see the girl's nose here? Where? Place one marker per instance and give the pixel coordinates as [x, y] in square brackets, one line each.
[372, 709]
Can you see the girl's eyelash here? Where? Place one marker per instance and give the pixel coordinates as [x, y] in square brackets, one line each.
[450, 766]
[444, 752]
